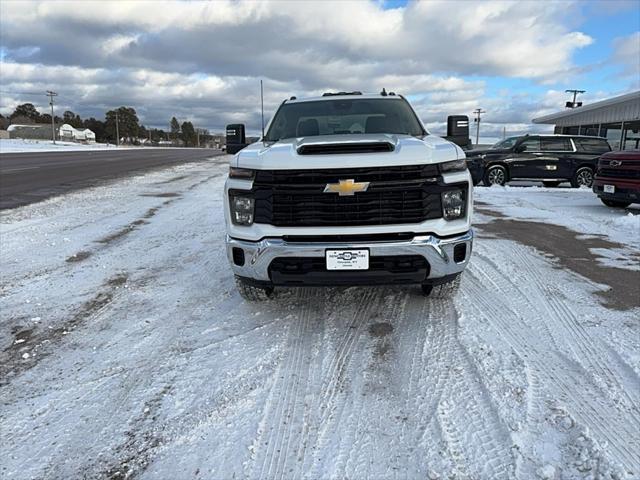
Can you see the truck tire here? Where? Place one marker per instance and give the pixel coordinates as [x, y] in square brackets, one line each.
[582, 178]
[615, 203]
[495, 175]
[252, 293]
[444, 290]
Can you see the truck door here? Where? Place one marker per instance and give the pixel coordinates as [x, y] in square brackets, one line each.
[525, 155]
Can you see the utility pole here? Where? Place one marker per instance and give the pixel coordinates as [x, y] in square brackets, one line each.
[51, 94]
[574, 104]
[478, 112]
[117, 131]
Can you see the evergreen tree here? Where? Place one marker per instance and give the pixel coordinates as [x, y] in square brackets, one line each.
[175, 129]
[189, 136]
[26, 112]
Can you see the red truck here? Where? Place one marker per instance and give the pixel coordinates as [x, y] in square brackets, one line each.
[617, 180]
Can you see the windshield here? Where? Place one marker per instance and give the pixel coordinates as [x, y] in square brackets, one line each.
[343, 117]
[506, 143]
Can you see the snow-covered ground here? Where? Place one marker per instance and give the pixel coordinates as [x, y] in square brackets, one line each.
[575, 208]
[127, 353]
[19, 145]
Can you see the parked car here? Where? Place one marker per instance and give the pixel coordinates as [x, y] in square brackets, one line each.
[347, 189]
[617, 180]
[553, 159]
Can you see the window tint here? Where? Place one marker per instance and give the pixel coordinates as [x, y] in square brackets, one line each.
[506, 143]
[556, 144]
[571, 130]
[631, 136]
[591, 130]
[531, 145]
[613, 133]
[591, 145]
[347, 117]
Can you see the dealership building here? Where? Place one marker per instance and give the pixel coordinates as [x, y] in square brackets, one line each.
[617, 119]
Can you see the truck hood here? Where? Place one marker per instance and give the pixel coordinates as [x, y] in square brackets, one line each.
[405, 150]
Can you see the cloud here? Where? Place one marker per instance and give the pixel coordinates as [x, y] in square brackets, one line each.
[627, 54]
[203, 60]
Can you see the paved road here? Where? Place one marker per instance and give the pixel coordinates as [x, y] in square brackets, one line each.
[30, 177]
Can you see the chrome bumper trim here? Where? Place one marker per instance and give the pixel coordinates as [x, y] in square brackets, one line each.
[437, 251]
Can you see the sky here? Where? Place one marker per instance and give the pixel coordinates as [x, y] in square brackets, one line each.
[202, 61]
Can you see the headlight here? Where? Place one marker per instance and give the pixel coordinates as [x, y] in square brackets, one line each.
[454, 166]
[243, 173]
[453, 204]
[241, 209]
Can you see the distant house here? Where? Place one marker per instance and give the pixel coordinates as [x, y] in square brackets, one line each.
[89, 135]
[37, 131]
[67, 132]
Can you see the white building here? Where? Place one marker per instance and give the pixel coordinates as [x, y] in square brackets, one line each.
[617, 119]
[67, 132]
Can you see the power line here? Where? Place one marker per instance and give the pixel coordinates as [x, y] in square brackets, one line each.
[7, 92]
[51, 94]
[478, 112]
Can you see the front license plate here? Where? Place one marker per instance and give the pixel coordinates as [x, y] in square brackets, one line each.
[347, 259]
[609, 189]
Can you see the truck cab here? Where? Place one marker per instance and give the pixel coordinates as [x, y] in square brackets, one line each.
[347, 189]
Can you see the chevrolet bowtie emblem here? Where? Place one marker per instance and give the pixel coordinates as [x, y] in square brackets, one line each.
[346, 187]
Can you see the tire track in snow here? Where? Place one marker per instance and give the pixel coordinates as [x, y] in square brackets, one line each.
[272, 446]
[428, 374]
[328, 409]
[554, 311]
[478, 439]
[595, 355]
[360, 452]
[590, 408]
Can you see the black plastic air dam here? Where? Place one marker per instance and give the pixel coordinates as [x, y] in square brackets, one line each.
[311, 271]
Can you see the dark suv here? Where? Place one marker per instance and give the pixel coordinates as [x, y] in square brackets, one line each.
[553, 159]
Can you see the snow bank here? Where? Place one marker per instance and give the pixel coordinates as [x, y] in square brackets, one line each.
[19, 145]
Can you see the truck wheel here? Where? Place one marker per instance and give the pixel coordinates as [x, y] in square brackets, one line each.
[495, 175]
[582, 178]
[615, 203]
[251, 293]
[445, 290]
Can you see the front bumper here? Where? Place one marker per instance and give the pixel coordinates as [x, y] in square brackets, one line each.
[625, 190]
[438, 253]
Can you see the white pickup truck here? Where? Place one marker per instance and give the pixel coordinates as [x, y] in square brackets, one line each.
[347, 189]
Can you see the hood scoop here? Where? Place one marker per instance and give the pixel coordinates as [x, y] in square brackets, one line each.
[345, 148]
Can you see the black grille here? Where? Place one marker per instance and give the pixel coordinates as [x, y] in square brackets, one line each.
[396, 195]
[382, 270]
[342, 148]
[619, 173]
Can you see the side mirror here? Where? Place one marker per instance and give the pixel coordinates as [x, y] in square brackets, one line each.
[236, 138]
[520, 148]
[458, 130]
